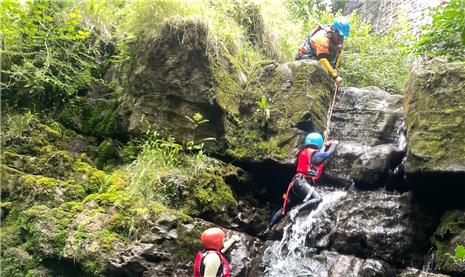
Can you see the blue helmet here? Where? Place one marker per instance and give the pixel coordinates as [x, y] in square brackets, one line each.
[314, 139]
[342, 25]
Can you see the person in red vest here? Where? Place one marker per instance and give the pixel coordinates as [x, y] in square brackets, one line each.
[210, 262]
[301, 194]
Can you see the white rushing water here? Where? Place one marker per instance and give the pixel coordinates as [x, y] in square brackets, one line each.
[288, 256]
[400, 140]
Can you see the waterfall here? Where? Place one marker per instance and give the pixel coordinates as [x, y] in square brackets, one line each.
[400, 140]
[428, 263]
[290, 256]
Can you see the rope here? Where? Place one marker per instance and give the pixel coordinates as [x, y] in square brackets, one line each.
[330, 115]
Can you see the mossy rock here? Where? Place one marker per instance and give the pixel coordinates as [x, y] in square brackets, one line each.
[297, 95]
[107, 153]
[173, 81]
[98, 117]
[26, 134]
[450, 234]
[434, 105]
[37, 189]
[16, 261]
[46, 229]
[210, 195]
[48, 160]
[90, 178]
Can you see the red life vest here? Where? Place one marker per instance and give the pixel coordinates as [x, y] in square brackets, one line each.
[305, 168]
[199, 269]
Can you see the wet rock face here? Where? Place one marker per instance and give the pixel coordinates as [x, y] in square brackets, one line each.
[434, 105]
[170, 79]
[380, 225]
[412, 272]
[367, 123]
[158, 252]
[378, 231]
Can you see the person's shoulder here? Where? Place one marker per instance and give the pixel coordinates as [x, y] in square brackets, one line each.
[212, 257]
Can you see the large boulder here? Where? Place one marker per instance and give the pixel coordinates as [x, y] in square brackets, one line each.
[164, 251]
[169, 79]
[434, 105]
[253, 115]
[379, 225]
[280, 103]
[368, 124]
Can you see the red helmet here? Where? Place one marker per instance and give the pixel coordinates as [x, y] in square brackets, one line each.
[212, 238]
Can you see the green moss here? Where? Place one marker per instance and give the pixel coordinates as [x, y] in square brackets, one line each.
[449, 234]
[16, 261]
[307, 98]
[46, 230]
[91, 179]
[157, 208]
[94, 117]
[107, 238]
[38, 189]
[11, 234]
[434, 106]
[108, 198]
[187, 243]
[210, 193]
[107, 153]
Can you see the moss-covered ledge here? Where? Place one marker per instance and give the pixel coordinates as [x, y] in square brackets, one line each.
[450, 234]
[434, 105]
[298, 95]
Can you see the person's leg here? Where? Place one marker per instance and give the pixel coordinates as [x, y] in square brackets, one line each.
[275, 218]
[308, 195]
[311, 199]
[291, 201]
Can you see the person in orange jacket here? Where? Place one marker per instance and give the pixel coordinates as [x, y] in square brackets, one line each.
[324, 43]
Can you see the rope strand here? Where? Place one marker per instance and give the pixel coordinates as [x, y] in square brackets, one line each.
[330, 115]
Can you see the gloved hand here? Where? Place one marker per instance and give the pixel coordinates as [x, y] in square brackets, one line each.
[338, 80]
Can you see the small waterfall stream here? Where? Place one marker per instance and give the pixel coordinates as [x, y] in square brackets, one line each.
[428, 264]
[290, 257]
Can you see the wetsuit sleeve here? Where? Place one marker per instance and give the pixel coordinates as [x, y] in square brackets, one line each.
[328, 67]
[212, 263]
[320, 157]
[227, 244]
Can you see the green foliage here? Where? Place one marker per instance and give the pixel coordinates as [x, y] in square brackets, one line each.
[48, 52]
[372, 59]
[15, 126]
[197, 120]
[459, 253]
[306, 9]
[263, 111]
[165, 173]
[445, 36]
